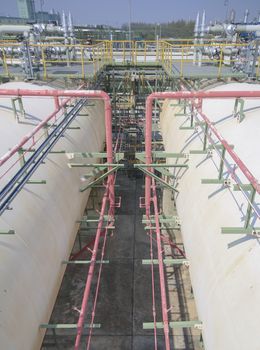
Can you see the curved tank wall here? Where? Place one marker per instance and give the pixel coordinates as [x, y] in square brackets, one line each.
[43, 217]
[224, 269]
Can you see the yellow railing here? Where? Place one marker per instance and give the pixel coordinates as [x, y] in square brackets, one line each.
[71, 60]
[85, 61]
[181, 60]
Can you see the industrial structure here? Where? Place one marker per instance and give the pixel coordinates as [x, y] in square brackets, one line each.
[129, 192]
[27, 14]
[26, 8]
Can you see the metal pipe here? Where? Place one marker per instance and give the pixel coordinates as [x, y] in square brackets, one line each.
[92, 94]
[17, 182]
[26, 28]
[148, 150]
[192, 95]
[202, 34]
[246, 16]
[15, 28]
[70, 25]
[161, 268]
[117, 148]
[196, 34]
[83, 309]
[219, 28]
[153, 291]
[202, 28]
[29, 136]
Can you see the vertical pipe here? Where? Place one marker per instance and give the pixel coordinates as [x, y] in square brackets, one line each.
[171, 60]
[246, 16]
[188, 95]
[109, 145]
[80, 325]
[82, 62]
[157, 48]
[161, 269]
[220, 62]
[202, 33]
[196, 33]
[148, 151]
[44, 64]
[181, 61]
[5, 63]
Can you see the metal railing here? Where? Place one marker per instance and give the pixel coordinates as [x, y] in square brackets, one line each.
[179, 59]
[54, 59]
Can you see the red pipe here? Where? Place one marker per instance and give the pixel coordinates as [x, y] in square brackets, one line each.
[27, 137]
[86, 247]
[150, 183]
[117, 147]
[192, 95]
[161, 269]
[83, 309]
[69, 93]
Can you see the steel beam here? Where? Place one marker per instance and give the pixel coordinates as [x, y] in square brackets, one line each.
[174, 324]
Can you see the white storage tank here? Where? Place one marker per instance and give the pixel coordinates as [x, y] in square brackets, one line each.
[224, 269]
[44, 219]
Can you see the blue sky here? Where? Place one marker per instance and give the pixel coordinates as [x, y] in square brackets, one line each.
[116, 12]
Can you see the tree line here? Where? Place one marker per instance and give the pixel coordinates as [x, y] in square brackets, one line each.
[149, 31]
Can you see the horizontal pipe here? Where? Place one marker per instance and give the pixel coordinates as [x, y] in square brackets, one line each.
[61, 93]
[26, 138]
[92, 94]
[109, 193]
[238, 28]
[15, 28]
[29, 136]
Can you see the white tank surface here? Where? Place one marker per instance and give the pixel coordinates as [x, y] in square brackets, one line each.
[224, 268]
[44, 219]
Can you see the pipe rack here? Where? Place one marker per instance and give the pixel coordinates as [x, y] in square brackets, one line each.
[67, 93]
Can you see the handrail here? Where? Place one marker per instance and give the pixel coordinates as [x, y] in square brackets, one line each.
[104, 52]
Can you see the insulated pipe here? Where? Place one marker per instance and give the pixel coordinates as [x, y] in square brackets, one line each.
[246, 16]
[219, 28]
[15, 28]
[202, 28]
[202, 34]
[92, 94]
[190, 95]
[196, 34]
[27, 28]
[64, 25]
[70, 25]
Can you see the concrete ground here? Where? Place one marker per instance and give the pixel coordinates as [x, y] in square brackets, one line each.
[125, 297]
[56, 71]
[206, 70]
